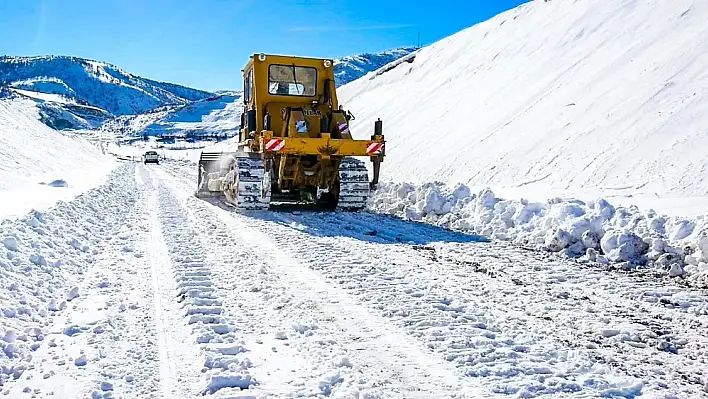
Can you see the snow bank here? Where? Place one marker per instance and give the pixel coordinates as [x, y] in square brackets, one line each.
[39, 165]
[559, 94]
[594, 231]
[45, 255]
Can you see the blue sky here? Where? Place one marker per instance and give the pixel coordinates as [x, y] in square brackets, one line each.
[204, 43]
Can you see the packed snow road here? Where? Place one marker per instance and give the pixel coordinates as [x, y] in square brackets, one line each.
[186, 298]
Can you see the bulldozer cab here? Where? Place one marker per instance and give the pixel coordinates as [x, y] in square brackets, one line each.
[292, 97]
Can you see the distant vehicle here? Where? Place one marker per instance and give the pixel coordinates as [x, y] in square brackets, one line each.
[151, 157]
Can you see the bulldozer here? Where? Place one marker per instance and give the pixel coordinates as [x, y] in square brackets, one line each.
[294, 145]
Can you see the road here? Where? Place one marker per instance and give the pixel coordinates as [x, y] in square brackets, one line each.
[189, 298]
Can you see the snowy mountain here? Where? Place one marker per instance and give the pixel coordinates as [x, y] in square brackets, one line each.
[76, 93]
[350, 68]
[552, 97]
[94, 83]
[214, 115]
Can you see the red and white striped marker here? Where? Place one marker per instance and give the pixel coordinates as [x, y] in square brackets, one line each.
[374, 148]
[274, 144]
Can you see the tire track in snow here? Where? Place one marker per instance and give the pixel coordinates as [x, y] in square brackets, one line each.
[199, 349]
[157, 258]
[381, 351]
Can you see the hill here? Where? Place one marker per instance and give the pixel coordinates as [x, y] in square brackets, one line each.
[39, 165]
[215, 115]
[552, 97]
[93, 83]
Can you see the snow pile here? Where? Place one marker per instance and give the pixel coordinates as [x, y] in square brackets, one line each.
[45, 257]
[39, 165]
[595, 231]
[564, 95]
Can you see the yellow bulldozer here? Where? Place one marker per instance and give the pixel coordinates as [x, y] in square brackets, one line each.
[294, 144]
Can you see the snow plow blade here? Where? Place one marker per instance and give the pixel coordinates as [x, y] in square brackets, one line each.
[238, 177]
[213, 167]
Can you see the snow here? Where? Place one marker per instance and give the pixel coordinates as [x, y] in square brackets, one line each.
[43, 270]
[595, 231]
[589, 99]
[40, 166]
[62, 112]
[485, 267]
[95, 83]
[207, 301]
[352, 67]
[44, 85]
[215, 115]
[57, 98]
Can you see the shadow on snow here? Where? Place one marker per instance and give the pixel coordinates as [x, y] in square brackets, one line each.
[363, 226]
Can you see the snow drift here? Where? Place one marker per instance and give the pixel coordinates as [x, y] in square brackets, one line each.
[564, 95]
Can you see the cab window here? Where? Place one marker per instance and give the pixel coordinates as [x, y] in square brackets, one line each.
[247, 86]
[292, 80]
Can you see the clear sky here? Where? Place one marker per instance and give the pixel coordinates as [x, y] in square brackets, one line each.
[204, 43]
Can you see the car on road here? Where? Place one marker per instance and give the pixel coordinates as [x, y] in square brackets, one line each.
[151, 157]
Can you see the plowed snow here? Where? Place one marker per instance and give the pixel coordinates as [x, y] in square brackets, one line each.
[186, 298]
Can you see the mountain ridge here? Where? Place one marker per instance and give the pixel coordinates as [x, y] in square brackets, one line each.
[81, 93]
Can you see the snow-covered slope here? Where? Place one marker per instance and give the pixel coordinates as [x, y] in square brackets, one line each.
[61, 112]
[39, 165]
[572, 96]
[214, 115]
[352, 67]
[93, 83]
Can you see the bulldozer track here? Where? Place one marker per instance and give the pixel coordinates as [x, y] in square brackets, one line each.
[196, 303]
[353, 185]
[252, 194]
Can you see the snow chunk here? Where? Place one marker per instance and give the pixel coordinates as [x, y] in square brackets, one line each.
[56, 183]
[621, 247]
[106, 386]
[80, 361]
[609, 332]
[72, 294]
[217, 382]
[10, 336]
[10, 243]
